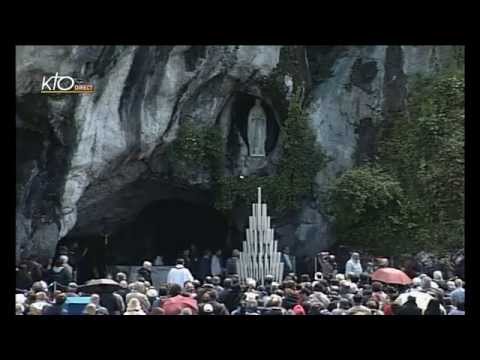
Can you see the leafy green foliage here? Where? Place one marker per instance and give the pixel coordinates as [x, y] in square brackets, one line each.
[370, 210]
[197, 149]
[423, 155]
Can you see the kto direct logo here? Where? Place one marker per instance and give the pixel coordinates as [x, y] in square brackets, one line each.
[64, 85]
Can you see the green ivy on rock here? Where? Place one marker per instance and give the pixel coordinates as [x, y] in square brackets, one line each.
[412, 198]
[196, 149]
[301, 159]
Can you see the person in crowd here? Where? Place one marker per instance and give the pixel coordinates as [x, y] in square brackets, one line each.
[24, 279]
[216, 265]
[139, 292]
[450, 288]
[124, 290]
[186, 311]
[218, 308]
[95, 299]
[374, 307]
[41, 299]
[152, 294]
[134, 307]
[158, 261]
[353, 265]
[433, 308]
[340, 307]
[177, 300]
[57, 308]
[157, 311]
[189, 289]
[438, 279]
[162, 296]
[358, 308]
[298, 310]
[288, 261]
[416, 284]
[458, 295]
[232, 263]
[232, 294]
[64, 259]
[113, 302]
[216, 281]
[319, 295]
[431, 287]
[179, 274]
[58, 273]
[291, 295]
[274, 306]
[333, 267]
[227, 284]
[185, 255]
[410, 307]
[206, 309]
[378, 294]
[19, 309]
[120, 276]
[72, 290]
[194, 260]
[458, 310]
[146, 271]
[36, 270]
[90, 309]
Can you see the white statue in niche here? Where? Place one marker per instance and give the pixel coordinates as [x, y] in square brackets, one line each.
[257, 130]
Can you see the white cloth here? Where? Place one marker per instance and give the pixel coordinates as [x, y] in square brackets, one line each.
[178, 275]
[216, 269]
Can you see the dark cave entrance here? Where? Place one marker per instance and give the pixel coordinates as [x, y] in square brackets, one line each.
[165, 228]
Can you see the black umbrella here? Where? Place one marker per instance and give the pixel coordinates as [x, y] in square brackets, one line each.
[100, 286]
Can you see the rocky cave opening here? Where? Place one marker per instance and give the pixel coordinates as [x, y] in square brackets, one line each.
[164, 228]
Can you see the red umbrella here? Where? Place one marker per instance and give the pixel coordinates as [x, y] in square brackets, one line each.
[391, 276]
[173, 306]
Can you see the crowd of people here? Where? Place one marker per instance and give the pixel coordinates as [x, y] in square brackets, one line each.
[214, 288]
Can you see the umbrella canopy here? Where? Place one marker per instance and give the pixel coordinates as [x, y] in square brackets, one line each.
[100, 285]
[391, 276]
[422, 299]
[173, 306]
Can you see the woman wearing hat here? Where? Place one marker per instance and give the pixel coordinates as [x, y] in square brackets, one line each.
[134, 308]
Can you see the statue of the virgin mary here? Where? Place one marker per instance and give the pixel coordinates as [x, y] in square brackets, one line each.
[257, 130]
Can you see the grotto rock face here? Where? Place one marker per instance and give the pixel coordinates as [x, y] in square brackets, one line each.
[86, 162]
